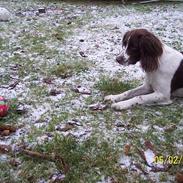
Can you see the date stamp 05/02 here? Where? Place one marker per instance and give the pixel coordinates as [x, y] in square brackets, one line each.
[173, 160]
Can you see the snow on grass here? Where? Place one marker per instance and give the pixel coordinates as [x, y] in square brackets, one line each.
[69, 32]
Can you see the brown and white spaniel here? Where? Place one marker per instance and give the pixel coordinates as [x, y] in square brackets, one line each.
[163, 67]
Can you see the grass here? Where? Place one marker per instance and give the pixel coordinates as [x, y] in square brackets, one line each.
[40, 42]
[5, 173]
[3, 45]
[68, 69]
[109, 85]
[87, 161]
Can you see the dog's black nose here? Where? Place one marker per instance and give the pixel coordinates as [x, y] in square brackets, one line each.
[120, 59]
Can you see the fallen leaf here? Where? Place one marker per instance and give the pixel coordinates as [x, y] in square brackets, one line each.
[170, 128]
[179, 177]
[148, 145]
[7, 127]
[5, 133]
[127, 149]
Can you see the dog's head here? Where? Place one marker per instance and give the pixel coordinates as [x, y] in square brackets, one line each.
[141, 45]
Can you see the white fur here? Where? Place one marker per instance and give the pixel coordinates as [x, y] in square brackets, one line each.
[5, 15]
[157, 85]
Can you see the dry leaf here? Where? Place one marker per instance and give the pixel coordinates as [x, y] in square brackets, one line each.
[148, 145]
[127, 149]
[5, 133]
[7, 127]
[179, 177]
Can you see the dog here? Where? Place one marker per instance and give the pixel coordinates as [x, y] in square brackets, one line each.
[163, 67]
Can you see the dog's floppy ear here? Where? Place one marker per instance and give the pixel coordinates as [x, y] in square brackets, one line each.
[126, 38]
[150, 50]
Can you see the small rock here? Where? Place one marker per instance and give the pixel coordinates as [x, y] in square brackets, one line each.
[5, 15]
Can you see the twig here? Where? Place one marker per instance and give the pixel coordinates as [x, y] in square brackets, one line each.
[34, 154]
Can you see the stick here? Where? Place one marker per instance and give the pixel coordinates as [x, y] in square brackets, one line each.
[34, 154]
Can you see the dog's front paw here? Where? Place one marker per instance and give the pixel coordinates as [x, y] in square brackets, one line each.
[116, 107]
[120, 106]
[111, 98]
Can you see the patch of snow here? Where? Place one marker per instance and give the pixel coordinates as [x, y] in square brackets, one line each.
[150, 156]
[125, 161]
[36, 113]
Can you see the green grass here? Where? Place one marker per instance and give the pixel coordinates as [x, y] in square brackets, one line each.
[109, 85]
[3, 44]
[87, 161]
[40, 56]
[67, 69]
[5, 173]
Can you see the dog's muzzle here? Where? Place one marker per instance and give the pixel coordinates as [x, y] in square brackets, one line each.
[121, 59]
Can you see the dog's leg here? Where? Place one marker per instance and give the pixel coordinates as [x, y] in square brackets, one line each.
[153, 98]
[141, 90]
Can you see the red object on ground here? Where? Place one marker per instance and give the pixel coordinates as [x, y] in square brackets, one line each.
[3, 107]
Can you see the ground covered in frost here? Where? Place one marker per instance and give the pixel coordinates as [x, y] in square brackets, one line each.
[54, 65]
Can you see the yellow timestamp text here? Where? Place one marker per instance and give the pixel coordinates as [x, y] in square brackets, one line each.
[173, 160]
